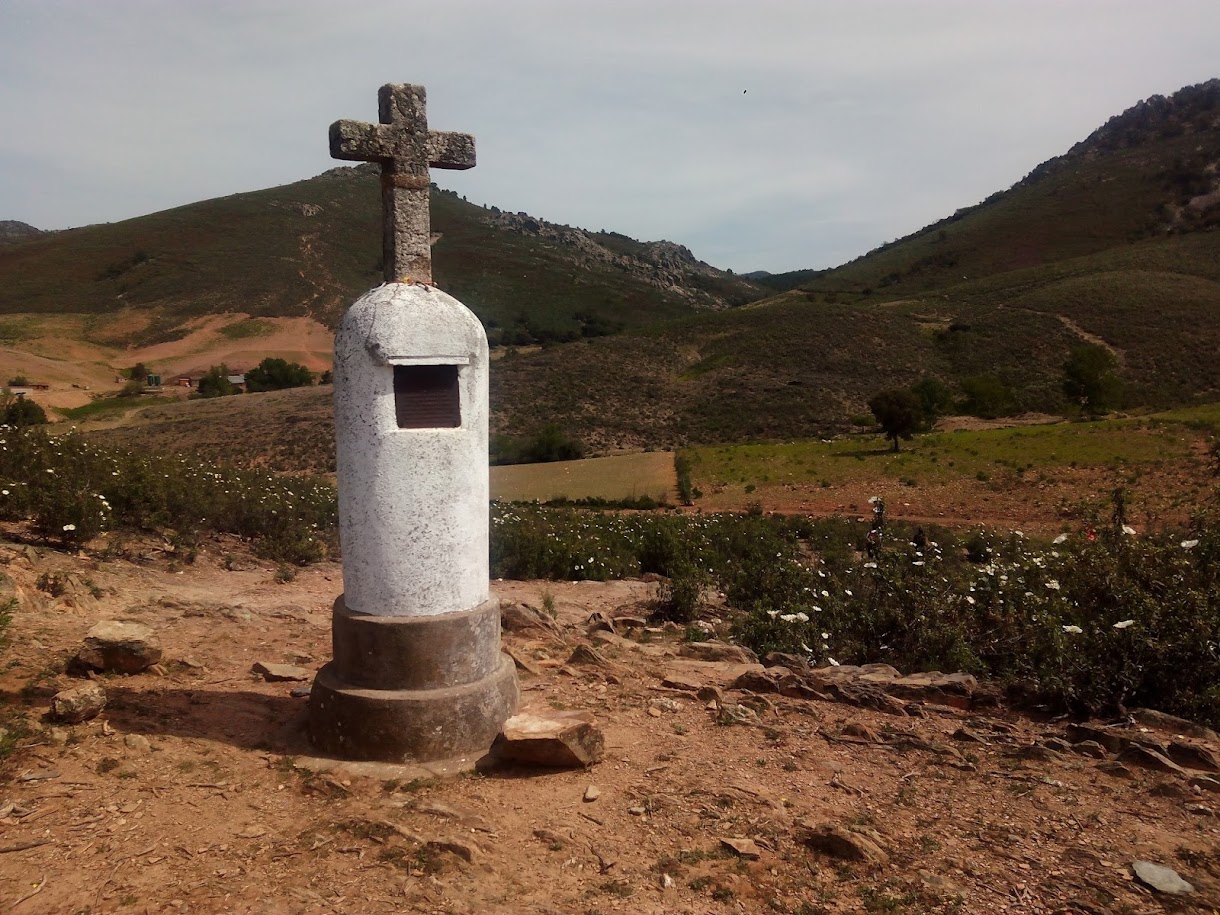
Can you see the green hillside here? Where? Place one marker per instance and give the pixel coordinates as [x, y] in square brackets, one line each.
[1112, 244]
[307, 249]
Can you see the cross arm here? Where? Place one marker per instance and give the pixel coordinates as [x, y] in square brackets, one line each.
[358, 141]
[446, 149]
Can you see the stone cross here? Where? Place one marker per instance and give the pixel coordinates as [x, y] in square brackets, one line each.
[405, 147]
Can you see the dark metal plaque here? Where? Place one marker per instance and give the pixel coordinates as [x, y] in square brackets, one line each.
[427, 397]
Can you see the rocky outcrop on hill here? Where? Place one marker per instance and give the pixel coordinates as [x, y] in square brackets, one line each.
[663, 264]
[13, 231]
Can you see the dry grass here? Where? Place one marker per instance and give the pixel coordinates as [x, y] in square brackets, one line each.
[622, 476]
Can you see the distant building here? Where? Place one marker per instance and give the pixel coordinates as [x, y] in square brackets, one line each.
[238, 381]
[185, 381]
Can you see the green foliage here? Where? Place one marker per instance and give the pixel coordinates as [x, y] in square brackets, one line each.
[215, 383]
[70, 491]
[21, 411]
[1091, 379]
[687, 493]
[138, 372]
[550, 443]
[898, 414]
[987, 397]
[1051, 618]
[935, 399]
[274, 374]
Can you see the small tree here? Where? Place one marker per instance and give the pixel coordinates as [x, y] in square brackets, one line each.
[273, 374]
[1090, 377]
[987, 397]
[138, 372]
[935, 398]
[897, 414]
[215, 383]
[21, 411]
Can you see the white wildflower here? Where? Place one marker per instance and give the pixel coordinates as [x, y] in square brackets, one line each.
[833, 662]
[1185, 544]
[1053, 584]
[1124, 624]
[1060, 539]
[1074, 630]
[69, 527]
[1128, 530]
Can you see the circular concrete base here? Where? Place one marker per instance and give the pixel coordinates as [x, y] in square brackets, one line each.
[408, 725]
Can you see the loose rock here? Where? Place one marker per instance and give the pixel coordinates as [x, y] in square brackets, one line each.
[79, 703]
[1150, 759]
[592, 793]
[718, 651]
[137, 742]
[122, 647]
[559, 739]
[838, 842]
[1160, 878]
[280, 673]
[743, 848]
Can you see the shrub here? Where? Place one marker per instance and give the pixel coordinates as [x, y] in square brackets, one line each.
[215, 383]
[21, 411]
[1090, 378]
[987, 397]
[71, 491]
[274, 374]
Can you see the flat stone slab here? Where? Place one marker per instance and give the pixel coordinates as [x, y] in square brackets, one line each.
[1160, 878]
[281, 673]
[557, 739]
[120, 646]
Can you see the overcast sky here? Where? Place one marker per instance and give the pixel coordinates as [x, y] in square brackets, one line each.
[763, 135]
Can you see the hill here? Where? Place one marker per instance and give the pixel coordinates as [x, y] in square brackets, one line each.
[307, 249]
[1112, 244]
[12, 231]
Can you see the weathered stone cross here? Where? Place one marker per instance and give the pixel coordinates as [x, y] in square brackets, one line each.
[405, 147]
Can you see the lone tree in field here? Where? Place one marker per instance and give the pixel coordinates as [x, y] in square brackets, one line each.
[1090, 377]
[897, 414]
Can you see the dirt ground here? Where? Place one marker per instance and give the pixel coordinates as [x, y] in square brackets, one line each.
[185, 796]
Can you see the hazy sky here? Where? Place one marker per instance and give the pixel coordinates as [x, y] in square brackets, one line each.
[763, 135]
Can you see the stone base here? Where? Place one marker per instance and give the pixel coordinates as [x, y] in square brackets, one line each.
[410, 725]
[413, 689]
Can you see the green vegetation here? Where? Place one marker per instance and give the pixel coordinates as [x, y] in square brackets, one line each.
[897, 413]
[244, 253]
[274, 374]
[215, 383]
[1086, 625]
[243, 330]
[70, 491]
[548, 444]
[21, 411]
[1091, 377]
[101, 407]
[1133, 443]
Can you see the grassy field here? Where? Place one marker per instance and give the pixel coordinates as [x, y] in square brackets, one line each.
[1165, 437]
[625, 476]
